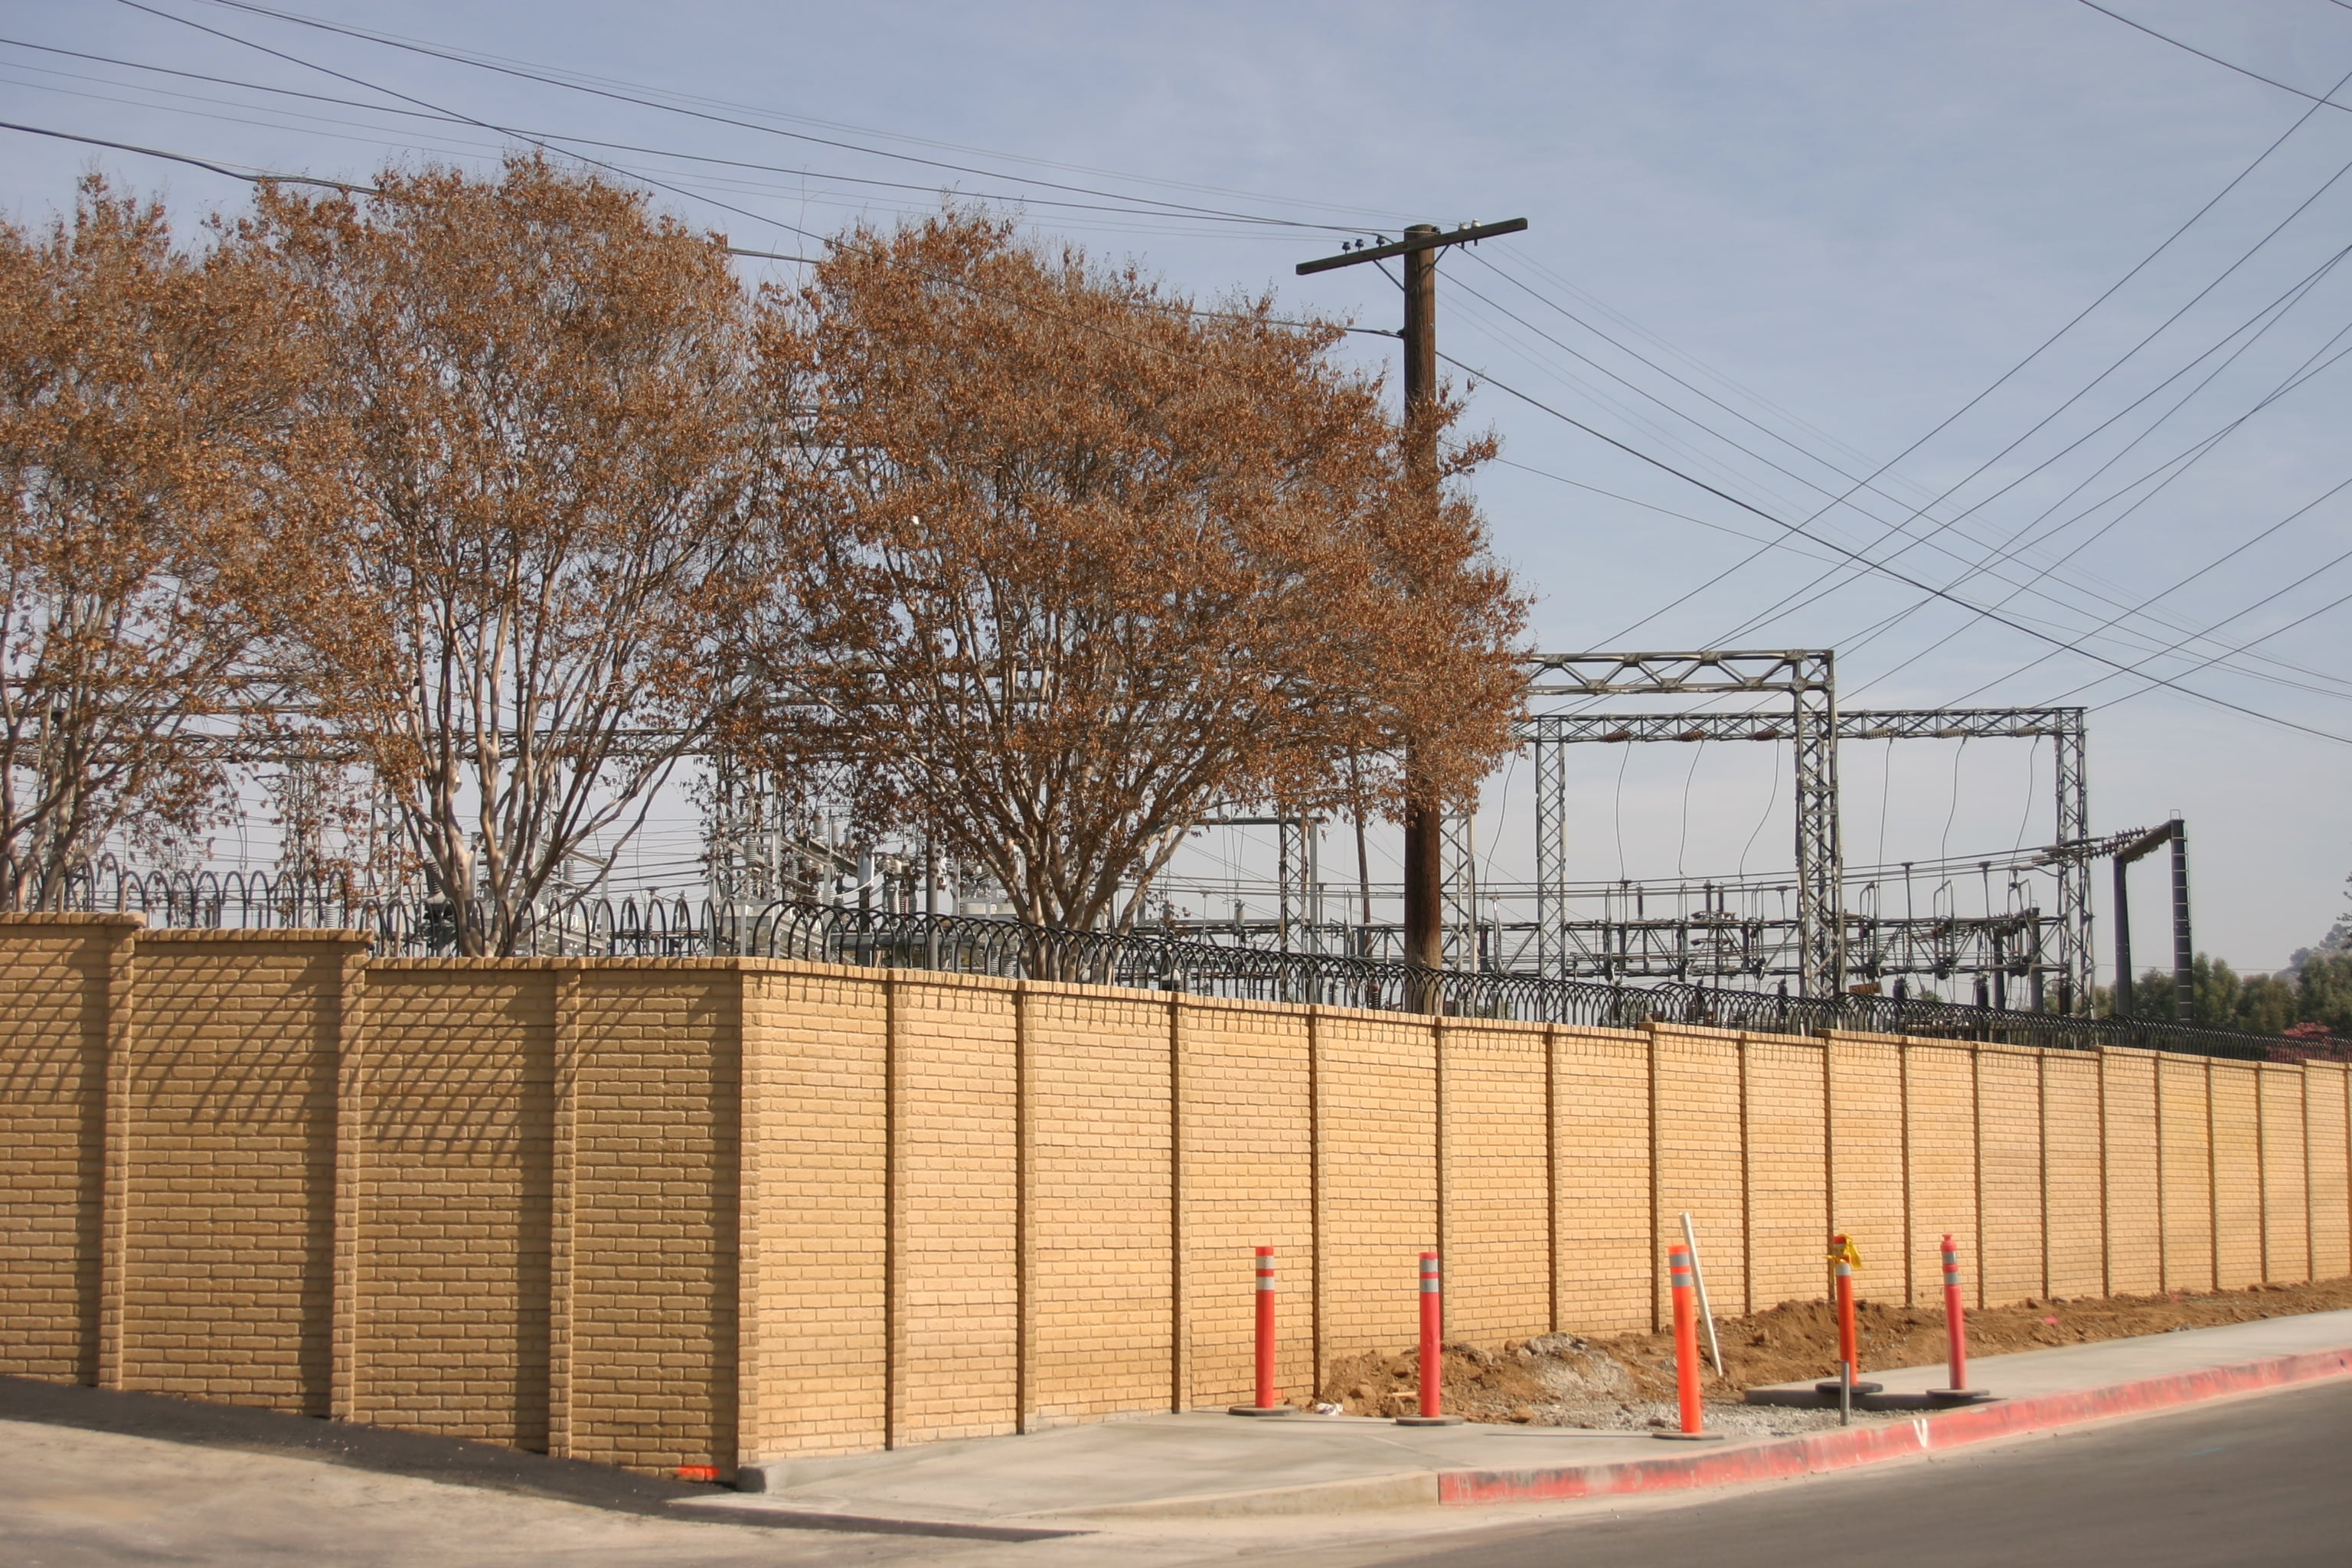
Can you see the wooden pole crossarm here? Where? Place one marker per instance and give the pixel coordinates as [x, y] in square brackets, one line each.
[1463, 235]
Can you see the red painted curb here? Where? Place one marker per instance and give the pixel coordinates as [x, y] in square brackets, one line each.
[1849, 1447]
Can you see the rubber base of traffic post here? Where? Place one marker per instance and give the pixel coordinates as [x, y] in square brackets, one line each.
[1429, 1420]
[1688, 1436]
[1961, 1395]
[1261, 1410]
[1833, 1385]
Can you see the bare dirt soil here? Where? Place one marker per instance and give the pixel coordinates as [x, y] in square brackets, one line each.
[1626, 1382]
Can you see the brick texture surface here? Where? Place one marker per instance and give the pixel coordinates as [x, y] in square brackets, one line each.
[1700, 1172]
[456, 1181]
[1497, 1211]
[672, 1212]
[1787, 1199]
[1605, 1266]
[53, 1045]
[1248, 1181]
[2138, 1119]
[1868, 1180]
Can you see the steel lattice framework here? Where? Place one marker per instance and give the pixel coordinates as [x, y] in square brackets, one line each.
[1807, 676]
[1811, 722]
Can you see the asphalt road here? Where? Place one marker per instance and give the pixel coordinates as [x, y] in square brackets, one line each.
[89, 1480]
[2264, 1482]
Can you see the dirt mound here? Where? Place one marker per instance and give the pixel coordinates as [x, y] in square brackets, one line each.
[1625, 1381]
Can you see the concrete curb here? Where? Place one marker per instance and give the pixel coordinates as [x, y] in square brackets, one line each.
[1851, 1447]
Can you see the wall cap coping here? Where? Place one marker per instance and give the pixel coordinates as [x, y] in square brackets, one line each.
[87, 921]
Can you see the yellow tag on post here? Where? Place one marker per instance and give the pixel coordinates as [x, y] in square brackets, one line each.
[1843, 1250]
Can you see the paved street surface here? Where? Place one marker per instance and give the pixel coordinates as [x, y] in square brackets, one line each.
[2260, 1482]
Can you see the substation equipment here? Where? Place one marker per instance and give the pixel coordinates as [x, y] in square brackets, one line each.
[1833, 929]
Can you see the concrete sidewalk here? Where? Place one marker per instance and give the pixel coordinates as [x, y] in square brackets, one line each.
[1211, 1465]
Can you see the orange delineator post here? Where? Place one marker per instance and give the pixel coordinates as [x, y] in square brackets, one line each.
[1683, 1275]
[1678, 1271]
[1433, 1329]
[1265, 1328]
[1848, 1342]
[1955, 1325]
[1264, 1392]
[1956, 1329]
[1432, 1349]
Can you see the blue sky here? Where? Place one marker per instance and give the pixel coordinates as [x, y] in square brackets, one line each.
[1839, 222]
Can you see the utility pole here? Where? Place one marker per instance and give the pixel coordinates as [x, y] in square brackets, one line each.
[1424, 867]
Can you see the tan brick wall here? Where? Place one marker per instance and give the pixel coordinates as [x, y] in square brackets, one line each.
[1497, 1219]
[2009, 1176]
[1788, 1202]
[816, 1232]
[2186, 1157]
[1700, 1172]
[2237, 1149]
[1101, 1204]
[651, 1313]
[683, 1212]
[2141, 1223]
[2076, 1239]
[1247, 1181]
[2285, 1200]
[53, 1051]
[1600, 1174]
[956, 1264]
[1867, 1179]
[455, 1177]
[228, 1172]
[1377, 1145]
[2328, 1145]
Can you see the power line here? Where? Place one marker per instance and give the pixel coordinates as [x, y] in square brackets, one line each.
[2014, 370]
[2304, 373]
[449, 118]
[387, 41]
[2004, 552]
[2328, 101]
[1881, 568]
[2086, 389]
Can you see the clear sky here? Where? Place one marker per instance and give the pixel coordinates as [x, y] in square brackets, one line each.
[1826, 227]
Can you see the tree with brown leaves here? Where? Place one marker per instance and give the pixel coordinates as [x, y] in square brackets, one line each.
[519, 523]
[1095, 566]
[142, 390]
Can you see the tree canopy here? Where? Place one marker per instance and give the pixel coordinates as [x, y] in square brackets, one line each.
[1093, 564]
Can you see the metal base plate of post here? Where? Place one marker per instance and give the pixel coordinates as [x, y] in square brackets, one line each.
[1429, 1420]
[1829, 1388]
[1261, 1410]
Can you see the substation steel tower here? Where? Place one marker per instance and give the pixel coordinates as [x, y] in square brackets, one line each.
[1424, 852]
[1807, 677]
[1815, 725]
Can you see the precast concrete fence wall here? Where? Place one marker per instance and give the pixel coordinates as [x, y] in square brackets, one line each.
[711, 1212]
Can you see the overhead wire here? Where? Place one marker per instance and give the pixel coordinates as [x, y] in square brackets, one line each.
[2018, 366]
[2030, 585]
[2078, 395]
[1797, 529]
[2179, 465]
[455, 57]
[572, 138]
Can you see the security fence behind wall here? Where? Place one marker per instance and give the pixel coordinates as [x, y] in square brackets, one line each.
[654, 927]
